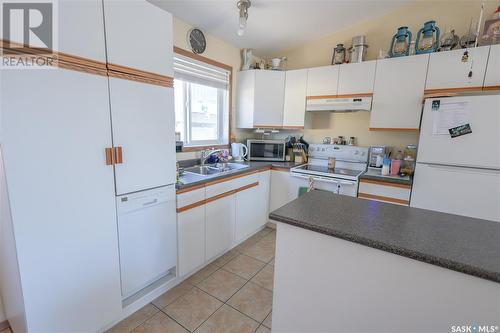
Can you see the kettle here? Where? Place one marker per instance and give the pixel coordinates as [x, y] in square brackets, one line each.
[429, 42]
[239, 151]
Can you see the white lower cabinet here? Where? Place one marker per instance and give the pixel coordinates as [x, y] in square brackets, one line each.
[281, 192]
[384, 191]
[191, 239]
[219, 220]
[247, 212]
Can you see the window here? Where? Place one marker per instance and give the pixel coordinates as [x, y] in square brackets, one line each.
[201, 102]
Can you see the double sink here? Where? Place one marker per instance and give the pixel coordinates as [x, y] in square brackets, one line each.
[214, 169]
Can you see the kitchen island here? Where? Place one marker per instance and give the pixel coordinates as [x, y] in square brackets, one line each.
[345, 264]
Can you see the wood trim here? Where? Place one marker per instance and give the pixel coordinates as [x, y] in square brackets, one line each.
[225, 179]
[488, 88]
[4, 325]
[220, 196]
[109, 156]
[246, 187]
[212, 62]
[382, 198]
[380, 182]
[267, 126]
[355, 95]
[321, 97]
[292, 127]
[118, 155]
[200, 148]
[389, 129]
[273, 168]
[189, 189]
[141, 79]
[190, 206]
[198, 57]
[451, 90]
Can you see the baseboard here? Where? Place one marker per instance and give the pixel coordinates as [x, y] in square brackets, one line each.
[4, 325]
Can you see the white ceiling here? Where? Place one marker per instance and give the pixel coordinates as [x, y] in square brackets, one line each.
[276, 25]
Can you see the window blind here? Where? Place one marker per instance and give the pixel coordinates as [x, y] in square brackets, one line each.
[192, 70]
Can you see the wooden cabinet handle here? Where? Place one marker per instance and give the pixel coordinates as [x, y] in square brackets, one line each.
[109, 156]
[118, 155]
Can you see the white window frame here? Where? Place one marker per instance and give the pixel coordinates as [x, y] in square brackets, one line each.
[223, 111]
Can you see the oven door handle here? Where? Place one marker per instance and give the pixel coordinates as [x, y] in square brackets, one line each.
[315, 178]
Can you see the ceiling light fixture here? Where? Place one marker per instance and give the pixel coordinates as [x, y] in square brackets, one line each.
[243, 6]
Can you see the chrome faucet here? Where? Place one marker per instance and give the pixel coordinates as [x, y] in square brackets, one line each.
[205, 154]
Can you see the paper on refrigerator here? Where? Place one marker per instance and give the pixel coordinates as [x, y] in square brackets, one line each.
[449, 114]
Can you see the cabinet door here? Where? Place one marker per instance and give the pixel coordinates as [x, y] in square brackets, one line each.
[492, 78]
[295, 98]
[264, 186]
[322, 81]
[247, 213]
[448, 70]
[191, 239]
[357, 78]
[269, 97]
[281, 192]
[398, 93]
[143, 125]
[146, 45]
[245, 97]
[220, 218]
[55, 127]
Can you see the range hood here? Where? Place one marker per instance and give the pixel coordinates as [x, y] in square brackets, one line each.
[339, 104]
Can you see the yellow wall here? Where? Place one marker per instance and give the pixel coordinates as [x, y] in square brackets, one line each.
[378, 32]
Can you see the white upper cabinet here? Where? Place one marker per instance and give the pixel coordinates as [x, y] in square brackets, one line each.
[450, 69]
[143, 126]
[398, 93]
[357, 78]
[295, 98]
[322, 81]
[492, 78]
[260, 98]
[139, 36]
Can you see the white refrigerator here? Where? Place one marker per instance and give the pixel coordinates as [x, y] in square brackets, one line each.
[459, 175]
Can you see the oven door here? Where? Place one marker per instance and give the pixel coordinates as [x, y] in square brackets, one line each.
[301, 183]
[262, 150]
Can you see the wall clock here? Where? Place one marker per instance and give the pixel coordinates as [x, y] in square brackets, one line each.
[197, 41]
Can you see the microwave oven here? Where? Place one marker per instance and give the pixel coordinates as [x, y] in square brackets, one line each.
[266, 150]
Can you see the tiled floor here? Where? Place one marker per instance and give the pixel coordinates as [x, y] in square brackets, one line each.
[232, 294]
[7, 330]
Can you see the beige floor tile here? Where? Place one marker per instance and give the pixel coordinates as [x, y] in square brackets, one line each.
[262, 250]
[228, 320]
[246, 244]
[172, 294]
[135, 319]
[268, 322]
[265, 278]
[202, 274]
[244, 266]
[193, 308]
[263, 329]
[264, 232]
[253, 300]
[222, 284]
[160, 323]
[7, 330]
[225, 258]
[271, 262]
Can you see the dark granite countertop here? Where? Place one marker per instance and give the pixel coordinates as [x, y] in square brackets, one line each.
[376, 175]
[459, 243]
[190, 179]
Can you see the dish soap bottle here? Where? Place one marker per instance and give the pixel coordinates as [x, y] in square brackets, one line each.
[386, 166]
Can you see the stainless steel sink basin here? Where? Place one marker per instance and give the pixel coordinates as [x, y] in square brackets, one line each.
[215, 169]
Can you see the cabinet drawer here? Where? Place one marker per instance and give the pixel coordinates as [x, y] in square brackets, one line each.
[191, 197]
[386, 192]
[225, 185]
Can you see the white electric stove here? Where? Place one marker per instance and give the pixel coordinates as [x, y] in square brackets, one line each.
[351, 162]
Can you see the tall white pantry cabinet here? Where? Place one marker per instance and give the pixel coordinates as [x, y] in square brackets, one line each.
[59, 245]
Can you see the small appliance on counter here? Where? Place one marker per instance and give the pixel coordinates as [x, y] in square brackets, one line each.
[376, 156]
[238, 151]
[266, 150]
[400, 43]
[427, 38]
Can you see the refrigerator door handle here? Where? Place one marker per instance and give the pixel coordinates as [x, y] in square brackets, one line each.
[462, 168]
